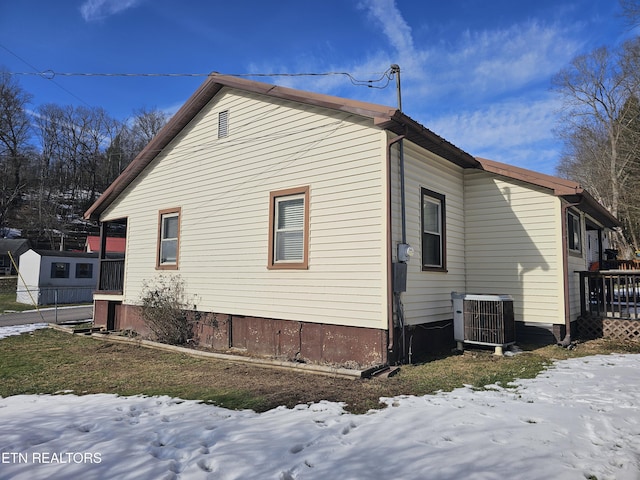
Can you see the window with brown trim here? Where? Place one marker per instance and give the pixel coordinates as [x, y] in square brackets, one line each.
[433, 230]
[289, 229]
[574, 232]
[168, 239]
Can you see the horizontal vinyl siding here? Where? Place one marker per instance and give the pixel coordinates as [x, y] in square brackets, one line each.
[577, 263]
[428, 295]
[223, 186]
[513, 245]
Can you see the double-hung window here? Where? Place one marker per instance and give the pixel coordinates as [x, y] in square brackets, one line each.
[168, 239]
[289, 228]
[433, 230]
[574, 237]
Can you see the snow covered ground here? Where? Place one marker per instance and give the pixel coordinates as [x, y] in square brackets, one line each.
[18, 329]
[578, 420]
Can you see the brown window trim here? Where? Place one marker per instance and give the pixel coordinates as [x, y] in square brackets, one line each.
[572, 251]
[161, 213]
[443, 227]
[273, 196]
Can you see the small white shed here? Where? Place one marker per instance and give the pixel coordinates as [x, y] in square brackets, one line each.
[51, 277]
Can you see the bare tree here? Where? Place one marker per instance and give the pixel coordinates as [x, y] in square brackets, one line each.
[600, 129]
[82, 150]
[132, 137]
[97, 138]
[146, 125]
[74, 141]
[15, 152]
[631, 11]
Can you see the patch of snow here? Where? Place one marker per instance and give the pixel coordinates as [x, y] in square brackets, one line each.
[578, 419]
[19, 329]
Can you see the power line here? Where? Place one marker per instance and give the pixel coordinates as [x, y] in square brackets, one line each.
[385, 76]
[37, 71]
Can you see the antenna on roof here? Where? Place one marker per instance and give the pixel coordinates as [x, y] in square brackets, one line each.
[395, 69]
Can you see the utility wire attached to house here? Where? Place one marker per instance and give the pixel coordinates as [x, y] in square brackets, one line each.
[385, 76]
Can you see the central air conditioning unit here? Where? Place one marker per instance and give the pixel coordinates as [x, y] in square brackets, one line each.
[483, 320]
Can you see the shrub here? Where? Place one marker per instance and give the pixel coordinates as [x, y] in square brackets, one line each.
[167, 310]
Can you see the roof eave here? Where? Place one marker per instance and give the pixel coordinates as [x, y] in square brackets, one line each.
[569, 190]
[586, 203]
[560, 186]
[182, 117]
[401, 124]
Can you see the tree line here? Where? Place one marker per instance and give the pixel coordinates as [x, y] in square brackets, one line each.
[55, 160]
[600, 127]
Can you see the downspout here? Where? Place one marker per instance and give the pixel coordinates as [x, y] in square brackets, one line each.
[395, 69]
[403, 221]
[390, 295]
[566, 341]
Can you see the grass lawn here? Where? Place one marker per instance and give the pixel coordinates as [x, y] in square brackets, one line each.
[8, 303]
[49, 361]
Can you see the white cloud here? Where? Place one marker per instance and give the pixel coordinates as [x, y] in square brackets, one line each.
[490, 63]
[394, 26]
[516, 131]
[480, 65]
[93, 10]
[486, 92]
[500, 124]
[507, 59]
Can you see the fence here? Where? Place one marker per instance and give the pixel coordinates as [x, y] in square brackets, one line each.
[610, 304]
[55, 295]
[610, 294]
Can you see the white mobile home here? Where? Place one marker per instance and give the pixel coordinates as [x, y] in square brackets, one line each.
[49, 277]
[292, 217]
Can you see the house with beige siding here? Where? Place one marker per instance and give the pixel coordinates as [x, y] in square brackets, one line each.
[316, 228]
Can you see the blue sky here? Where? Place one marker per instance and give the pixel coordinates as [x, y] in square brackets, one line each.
[476, 72]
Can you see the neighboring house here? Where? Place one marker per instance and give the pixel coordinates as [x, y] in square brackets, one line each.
[10, 247]
[50, 277]
[115, 245]
[282, 210]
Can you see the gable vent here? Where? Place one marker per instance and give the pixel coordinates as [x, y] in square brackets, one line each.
[223, 124]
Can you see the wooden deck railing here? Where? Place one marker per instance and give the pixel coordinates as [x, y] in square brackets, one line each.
[111, 275]
[610, 294]
[620, 265]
